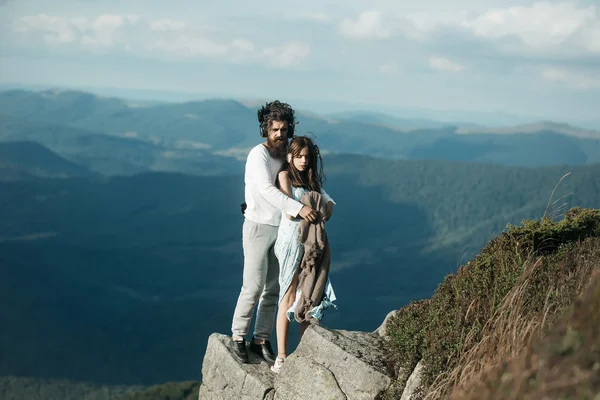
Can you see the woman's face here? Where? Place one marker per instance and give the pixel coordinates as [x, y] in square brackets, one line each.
[300, 160]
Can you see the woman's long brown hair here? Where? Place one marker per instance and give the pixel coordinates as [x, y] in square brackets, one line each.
[312, 178]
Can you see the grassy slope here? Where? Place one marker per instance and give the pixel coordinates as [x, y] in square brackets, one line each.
[486, 313]
[565, 364]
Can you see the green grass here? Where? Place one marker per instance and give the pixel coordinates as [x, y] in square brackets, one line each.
[436, 330]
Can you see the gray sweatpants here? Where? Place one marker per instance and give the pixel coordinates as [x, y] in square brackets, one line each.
[260, 281]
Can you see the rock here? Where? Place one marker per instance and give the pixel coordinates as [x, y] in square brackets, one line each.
[327, 364]
[334, 364]
[223, 377]
[307, 380]
[413, 383]
[382, 330]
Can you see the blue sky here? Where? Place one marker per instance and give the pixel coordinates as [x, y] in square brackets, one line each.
[521, 57]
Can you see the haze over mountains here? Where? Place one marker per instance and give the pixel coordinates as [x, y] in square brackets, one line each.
[213, 136]
[429, 118]
[20, 160]
[120, 244]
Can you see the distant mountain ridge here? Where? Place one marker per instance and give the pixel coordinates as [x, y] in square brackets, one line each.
[408, 125]
[403, 124]
[322, 107]
[28, 158]
[116, 155]
[541, 126]
[211, 137]
[81, 100]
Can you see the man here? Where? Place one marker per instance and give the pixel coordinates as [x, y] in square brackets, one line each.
[264, 203]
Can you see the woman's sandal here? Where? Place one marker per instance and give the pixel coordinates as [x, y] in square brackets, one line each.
[278, 364]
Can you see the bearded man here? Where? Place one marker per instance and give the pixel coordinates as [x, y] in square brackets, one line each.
[264, 204]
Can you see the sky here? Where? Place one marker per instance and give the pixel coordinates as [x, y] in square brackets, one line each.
[521, 57]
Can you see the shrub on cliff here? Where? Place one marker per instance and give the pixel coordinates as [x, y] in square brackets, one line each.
[496, 303]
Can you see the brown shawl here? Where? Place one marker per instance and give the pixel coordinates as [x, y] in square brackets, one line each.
[314, 267]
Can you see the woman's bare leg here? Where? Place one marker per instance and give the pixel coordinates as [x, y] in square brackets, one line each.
[283, 324]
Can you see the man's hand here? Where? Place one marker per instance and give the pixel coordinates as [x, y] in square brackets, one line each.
[308, 214]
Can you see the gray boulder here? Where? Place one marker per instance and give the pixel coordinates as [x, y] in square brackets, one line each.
[327, 364]
[383, 328]
[223, 377]
[334, 364]
[413, 385]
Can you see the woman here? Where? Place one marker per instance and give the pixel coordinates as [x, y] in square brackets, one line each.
[301, 173]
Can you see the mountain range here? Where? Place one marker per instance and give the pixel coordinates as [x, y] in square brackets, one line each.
[491, 118]
[20, 160]
[120, 244]
[211, 137]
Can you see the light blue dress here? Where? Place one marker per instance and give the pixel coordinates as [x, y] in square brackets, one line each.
[289, 252]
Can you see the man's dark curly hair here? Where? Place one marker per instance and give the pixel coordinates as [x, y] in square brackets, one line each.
[276, 111]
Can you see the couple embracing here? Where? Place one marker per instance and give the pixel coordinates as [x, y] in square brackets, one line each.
[286, 253]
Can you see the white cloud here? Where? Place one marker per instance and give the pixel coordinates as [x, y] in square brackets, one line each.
[240, 50]
[99, 32]
[167, 25]
[573, 79]
[443, 64]
[316, 17]
[132, 18]
[55, 30]
[189, 46]
[593, 38]
[299, 12]
[243, 45]
[162, 37]
[423, 25]
[288, 54]
[108, 22]
[105, 31]
[369, 25]
[81, 23]
[541, 25]
[57, 39]
[390, 69]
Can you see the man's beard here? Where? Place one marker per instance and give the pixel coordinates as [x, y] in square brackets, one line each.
[276, 147]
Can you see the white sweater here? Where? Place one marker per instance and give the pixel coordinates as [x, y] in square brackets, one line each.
[264, 201]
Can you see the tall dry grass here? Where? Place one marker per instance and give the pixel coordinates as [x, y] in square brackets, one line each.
[563, 364]
[514, 325]
[480, 317]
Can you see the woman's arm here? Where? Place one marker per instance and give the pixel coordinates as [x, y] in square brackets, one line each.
[286, 187]
[329, 210]
[329, 203]
[326, 196]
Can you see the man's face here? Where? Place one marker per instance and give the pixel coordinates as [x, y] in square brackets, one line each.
[277, 138]
[278, 131]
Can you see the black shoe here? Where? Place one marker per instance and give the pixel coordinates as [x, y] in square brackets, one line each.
[264, 350]
[238, 349]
